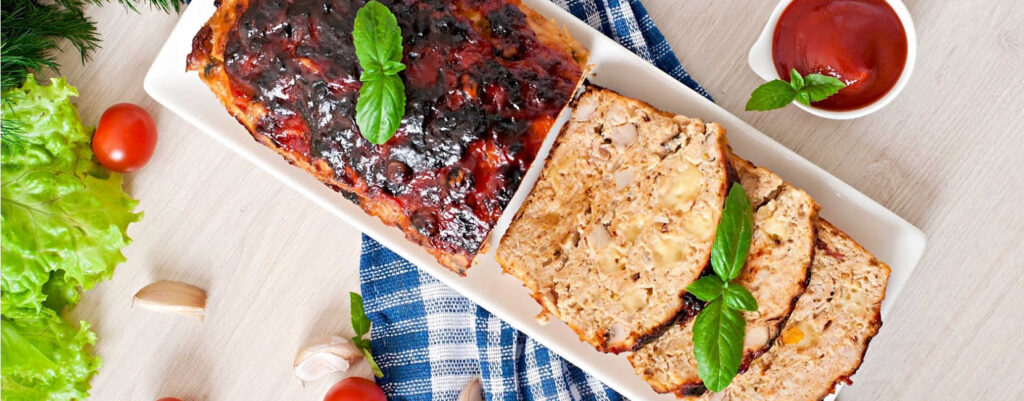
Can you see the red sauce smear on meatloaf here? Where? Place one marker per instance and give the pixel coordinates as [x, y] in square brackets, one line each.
[482, 93]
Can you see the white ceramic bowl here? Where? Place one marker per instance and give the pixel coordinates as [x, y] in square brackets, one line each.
[760, 59]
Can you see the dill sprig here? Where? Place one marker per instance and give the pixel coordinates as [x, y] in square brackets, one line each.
[31, 33]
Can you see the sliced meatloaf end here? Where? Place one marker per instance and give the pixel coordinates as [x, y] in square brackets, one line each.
[825, 339]
[775, 273]
[621, 220]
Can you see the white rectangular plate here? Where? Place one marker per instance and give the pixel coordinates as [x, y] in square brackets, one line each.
[888, 236]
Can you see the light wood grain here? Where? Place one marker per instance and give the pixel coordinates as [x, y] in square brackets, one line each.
[946, 155]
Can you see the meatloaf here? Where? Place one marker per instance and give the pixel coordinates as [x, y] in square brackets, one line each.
[485, 81]
[621, 220]
[824, 341]
[781, 249]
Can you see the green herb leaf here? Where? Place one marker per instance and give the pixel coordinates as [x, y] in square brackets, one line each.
[771, 95]
[803, 97]
[795, 80]
[778, 93]
[33, 31]
[393, 67]
[376, 36]
[360, 323]
[719, 328]
[360, 342]
[378, 42]
[706, 288]
[818, 87]
[380, 108]
[739, 298]
[718, 344]
[732, 239]
[373, 363]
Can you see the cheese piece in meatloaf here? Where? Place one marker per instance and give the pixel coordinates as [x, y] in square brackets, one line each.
[781, 250]
[621, 220]
[824, 341]
[485, 81]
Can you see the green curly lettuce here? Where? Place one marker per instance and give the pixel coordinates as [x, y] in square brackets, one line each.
[62, 212]
[45, 358]
[64, 220]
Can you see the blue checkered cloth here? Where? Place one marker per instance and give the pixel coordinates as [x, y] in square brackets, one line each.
[430, 341]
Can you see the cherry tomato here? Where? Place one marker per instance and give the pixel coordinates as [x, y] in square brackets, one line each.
[355, 389]
[125, 138]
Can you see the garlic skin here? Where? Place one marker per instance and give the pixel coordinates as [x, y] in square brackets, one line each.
[472, 391]
[172, 297]
[325, 355]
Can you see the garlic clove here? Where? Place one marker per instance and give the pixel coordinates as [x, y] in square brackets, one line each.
[172, 297]
[325, 355]
[472, 391]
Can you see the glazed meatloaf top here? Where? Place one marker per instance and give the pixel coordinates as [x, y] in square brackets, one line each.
[781, 249]
[485, 80]
[621, 220]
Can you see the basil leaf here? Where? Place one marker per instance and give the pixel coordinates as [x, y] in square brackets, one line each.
[360, 342]
[371, 75]
[771, 95]
[360, 323]
[739, 298]
[373, 363]
[718, 344]
[732, 239]
[706, 288]
[393, 67]
[378, 43]
[795, 80]
[803, 97]
[380, 108]
[376, 36]
[818, 86]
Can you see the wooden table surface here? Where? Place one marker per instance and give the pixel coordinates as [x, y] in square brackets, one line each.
[945, 155]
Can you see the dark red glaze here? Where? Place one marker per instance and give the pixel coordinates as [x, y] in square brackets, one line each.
[482, 94]
[861, 42]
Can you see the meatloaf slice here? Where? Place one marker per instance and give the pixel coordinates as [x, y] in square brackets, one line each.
[826, 336]
[775, 273]
[621, 220]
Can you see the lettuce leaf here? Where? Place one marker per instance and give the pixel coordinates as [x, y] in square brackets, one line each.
[64, 220]
[61, 211]
[44, 358]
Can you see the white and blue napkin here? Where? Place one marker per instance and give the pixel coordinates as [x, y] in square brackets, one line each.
[430, 341]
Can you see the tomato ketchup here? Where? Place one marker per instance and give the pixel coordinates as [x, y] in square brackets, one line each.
[861, 42]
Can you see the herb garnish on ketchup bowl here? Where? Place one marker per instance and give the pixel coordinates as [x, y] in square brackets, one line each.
[870, 45]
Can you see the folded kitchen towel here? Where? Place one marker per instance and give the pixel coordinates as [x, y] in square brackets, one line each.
[430, 341]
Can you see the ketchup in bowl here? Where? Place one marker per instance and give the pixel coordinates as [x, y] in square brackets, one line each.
[861, 42]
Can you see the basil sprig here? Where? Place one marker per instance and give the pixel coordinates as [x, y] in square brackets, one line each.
[378, 42]
[777, 93]
[361, 325]
[719, 328]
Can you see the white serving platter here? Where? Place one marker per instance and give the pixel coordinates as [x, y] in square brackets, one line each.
[888, 236]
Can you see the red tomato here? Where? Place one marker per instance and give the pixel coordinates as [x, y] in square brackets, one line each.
[355, 389]
[125, 138]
